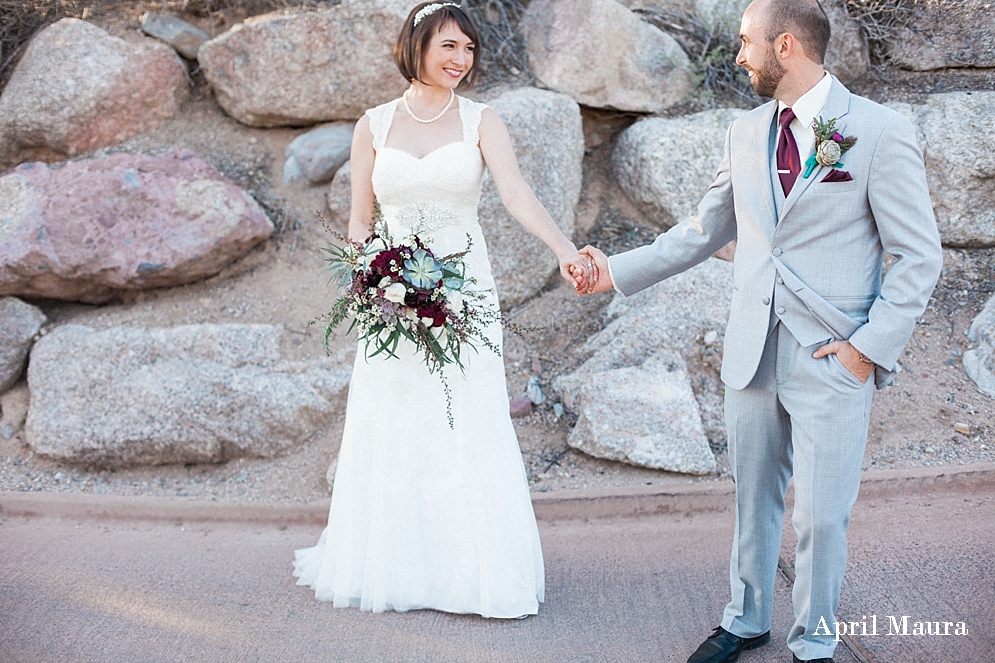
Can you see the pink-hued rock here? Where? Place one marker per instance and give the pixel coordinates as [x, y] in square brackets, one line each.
[520, 406]
[97, 227]
[77, 89]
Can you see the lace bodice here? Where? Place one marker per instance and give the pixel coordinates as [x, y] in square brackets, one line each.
[438, 191]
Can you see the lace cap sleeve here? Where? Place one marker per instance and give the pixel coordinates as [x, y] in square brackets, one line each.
[380, 121]
[471, 112]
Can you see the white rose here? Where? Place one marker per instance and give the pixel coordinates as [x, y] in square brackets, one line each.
[455, 300]
[384, 282]
[395, 293]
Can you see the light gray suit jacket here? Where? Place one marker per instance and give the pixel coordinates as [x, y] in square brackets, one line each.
[818, 263]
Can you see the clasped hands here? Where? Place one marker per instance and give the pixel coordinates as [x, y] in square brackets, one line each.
[587, 271]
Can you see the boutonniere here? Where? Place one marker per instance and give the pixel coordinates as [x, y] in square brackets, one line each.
[830, 146]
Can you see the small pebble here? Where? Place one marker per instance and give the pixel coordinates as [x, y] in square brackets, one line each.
[534, 392]
[520, 406]
[962, 428]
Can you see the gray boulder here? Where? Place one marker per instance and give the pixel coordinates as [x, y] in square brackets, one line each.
[19, 322]
[179, 34]
[665, 166]
[980, 361]
[318, 154]
[301, 68]
[643, 415]
[77, 89]
[633, 394]
[123, 397]
[960, 165]
[546, 134]
[946, 35]
[603, 55]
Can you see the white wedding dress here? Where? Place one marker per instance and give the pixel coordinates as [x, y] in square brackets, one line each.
[424, 516]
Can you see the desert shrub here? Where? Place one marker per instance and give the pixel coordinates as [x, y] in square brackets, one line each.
[717, 79]
[505, 59]
[884, 21]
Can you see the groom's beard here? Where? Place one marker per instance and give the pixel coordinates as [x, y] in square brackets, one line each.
[768, 77]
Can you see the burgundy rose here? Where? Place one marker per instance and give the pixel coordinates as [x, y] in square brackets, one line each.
[434, 311]
[381, 264]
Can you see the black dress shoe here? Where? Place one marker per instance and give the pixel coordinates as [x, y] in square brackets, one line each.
[810, 660]
[724, 647]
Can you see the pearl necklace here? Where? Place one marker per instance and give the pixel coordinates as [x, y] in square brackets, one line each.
[404, 97]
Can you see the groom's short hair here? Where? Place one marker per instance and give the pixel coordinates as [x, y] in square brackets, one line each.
[806, 20]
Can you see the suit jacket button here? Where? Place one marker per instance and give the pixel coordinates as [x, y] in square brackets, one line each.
[766, 300]
[780, 280]
[780, 310]
[777, 251]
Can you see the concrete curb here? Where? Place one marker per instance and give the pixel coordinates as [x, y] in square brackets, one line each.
[688, 497]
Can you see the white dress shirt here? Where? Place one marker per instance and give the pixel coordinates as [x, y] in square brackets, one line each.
[807, 108]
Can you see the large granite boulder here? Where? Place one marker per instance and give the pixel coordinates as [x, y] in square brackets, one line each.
[603, 55]
[980, 361]
[301, 68]
[643, 415]
[946, 35]
[77, 89]
[123, 397]
[960, 165]
[633, 395]
[19, 322]
[95, 228]
[548, 139]
[665, 166]
[179, 34]
[318, 154]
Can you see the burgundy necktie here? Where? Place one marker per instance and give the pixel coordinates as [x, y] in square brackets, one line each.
[789, 164]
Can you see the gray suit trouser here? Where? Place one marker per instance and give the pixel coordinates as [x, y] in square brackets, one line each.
[808, 418]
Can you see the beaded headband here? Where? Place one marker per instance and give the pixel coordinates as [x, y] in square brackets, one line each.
[428, 10]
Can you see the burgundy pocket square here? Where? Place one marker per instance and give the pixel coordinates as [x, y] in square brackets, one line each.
[837, 176]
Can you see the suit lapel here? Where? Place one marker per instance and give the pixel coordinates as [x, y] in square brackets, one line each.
[837, 106]
[762, 138]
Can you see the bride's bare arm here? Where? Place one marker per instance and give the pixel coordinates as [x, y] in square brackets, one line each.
[521, 201]
[361, 170]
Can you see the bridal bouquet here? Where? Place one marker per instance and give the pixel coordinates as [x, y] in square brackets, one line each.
[396, 290]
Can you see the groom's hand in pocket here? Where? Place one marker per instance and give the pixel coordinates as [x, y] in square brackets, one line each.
[600, 280]
[848, 355]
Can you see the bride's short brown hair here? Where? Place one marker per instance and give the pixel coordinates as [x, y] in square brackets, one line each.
[414, 39]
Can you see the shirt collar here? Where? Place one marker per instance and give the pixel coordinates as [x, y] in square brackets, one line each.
[810, 104]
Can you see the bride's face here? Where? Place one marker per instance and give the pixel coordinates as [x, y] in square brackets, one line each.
[448, 58]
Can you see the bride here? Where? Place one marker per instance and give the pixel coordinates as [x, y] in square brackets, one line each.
[424, 515]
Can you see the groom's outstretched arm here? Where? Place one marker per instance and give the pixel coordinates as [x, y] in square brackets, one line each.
[685, 245]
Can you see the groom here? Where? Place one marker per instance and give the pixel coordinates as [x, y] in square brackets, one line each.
[812, 321]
